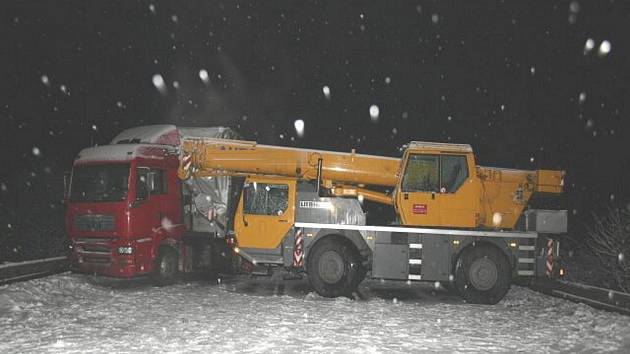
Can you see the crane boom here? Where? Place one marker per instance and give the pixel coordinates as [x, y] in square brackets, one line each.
[232, 157]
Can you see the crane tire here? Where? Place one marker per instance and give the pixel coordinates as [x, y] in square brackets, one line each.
[482, 275]
[334, 268]
[166, 266]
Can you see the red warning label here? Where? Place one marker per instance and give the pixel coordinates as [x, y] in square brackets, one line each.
[419, 209]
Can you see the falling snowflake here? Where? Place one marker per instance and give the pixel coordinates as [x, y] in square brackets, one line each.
[620, 257]
[582, 97]
[435, 18]
[203, 75]
[374, 112]
[532, 70]
[326, 91]
[590, 123]
[388, 80]
[167, 223]
[176, 85]
[574, 8]
[152, 8]
[64, 89]
[45, 80]
[497, 218]
[589, 45]
[94, 127]
[604, 48]
[299, 127]
[36, 151]
[119, 104]
[3, 187]
[158, 82]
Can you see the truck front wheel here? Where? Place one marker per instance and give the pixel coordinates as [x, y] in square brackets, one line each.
[482, 275]
[334, 268]
[165, 266]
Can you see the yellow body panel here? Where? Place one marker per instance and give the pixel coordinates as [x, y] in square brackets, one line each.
[441, 208]
[265, 231]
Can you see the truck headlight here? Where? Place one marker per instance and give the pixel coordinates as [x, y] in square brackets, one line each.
[125, 250]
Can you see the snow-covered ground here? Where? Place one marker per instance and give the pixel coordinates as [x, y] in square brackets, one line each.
[78, 313]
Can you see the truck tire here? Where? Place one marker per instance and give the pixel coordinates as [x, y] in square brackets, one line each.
[482, 275]
[334, 268]
[166, 265]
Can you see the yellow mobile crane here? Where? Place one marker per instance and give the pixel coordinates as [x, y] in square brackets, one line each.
[301, 209]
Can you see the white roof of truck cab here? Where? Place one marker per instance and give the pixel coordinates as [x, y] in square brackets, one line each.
[149, 141]
[123, 152]
[168, 134]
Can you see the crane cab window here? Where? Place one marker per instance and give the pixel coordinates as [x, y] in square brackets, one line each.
[435, 173]
[454, 173]
[421, 174]
[265, 198]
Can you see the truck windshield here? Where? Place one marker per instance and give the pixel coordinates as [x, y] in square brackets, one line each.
[99, 183]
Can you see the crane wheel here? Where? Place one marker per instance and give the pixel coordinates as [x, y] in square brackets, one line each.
[166, 265]
[482, 275]
[334, 268]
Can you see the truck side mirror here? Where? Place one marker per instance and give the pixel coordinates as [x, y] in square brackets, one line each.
[66, 185]
[151, 178]
[142, 190]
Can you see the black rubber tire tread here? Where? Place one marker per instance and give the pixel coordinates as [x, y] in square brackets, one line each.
[354, 271]
[464, 286]
[166, 254]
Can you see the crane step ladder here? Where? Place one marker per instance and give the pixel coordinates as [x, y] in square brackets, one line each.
[415, 261]
[526, 260]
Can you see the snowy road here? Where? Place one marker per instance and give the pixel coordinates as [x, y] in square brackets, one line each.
[78, 313]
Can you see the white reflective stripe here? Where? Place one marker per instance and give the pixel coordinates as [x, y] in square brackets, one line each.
[526, 260]
[146, 239]
[415, 245]
[415, 277]
[95, 252]
[415, 261]
[526, 248]
[526, 272]
[415, 230]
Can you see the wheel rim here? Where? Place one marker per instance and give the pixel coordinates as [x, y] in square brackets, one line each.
[166, 266]
[483, 274]
[331, 267]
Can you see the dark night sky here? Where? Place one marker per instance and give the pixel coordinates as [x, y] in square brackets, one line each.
[504, 76]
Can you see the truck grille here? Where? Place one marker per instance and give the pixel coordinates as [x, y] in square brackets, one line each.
[94, 222]
[94, 250]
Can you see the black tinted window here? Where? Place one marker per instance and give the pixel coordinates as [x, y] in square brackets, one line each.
[99, 183]
[421, 174]
[266, 199]
[454, 173]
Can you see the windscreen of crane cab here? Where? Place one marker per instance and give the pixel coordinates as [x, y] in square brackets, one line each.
[99, 183]
[433, 173]
[265, 199]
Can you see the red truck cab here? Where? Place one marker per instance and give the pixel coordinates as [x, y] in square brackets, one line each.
[127, 212]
